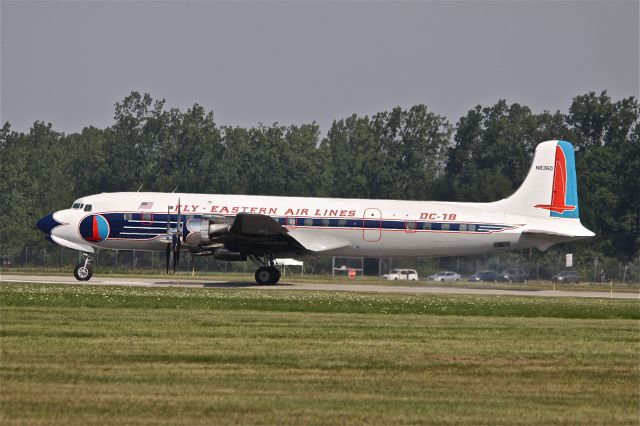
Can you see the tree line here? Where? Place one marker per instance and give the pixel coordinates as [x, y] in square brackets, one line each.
[410, 153]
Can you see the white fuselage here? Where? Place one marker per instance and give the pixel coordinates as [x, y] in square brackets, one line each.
[327, 226]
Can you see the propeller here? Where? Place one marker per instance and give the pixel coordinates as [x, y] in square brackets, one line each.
[176, 252]
[168, 257]
[174, 240]
[177, 240]
[168, 251]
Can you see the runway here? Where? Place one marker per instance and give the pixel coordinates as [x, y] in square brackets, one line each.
[284, 285]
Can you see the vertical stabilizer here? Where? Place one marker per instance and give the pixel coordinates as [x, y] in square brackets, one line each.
[550, 189]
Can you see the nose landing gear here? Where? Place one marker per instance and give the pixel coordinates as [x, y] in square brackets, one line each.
[83, 270]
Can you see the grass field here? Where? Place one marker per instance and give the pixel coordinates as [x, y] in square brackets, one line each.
[117, 355]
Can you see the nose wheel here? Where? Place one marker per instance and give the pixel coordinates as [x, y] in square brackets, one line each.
[83, 270]
[267, 275]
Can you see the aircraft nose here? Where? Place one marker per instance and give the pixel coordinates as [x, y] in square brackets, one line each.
[47, 223]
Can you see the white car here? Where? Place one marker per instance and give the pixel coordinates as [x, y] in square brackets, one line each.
[444, 276]
[402, 274]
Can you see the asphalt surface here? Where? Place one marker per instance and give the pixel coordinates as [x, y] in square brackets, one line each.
[284, 285]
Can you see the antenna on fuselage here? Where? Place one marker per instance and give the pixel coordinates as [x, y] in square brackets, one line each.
[140, 188]
[174, 189]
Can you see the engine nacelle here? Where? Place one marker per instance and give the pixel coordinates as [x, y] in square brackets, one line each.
[202, 231]
[230, 256]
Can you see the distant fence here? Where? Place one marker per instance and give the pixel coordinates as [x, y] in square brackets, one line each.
[540, 268]
[119, 260]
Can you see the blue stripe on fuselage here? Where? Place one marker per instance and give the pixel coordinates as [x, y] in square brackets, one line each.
[135, 229]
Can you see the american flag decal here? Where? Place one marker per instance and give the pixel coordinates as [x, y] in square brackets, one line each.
[145, 205]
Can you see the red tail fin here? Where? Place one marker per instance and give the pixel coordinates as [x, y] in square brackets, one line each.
[559, 192]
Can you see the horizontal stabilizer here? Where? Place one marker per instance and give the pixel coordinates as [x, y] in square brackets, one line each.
[576, 231]
[545, 238]
[546, 232]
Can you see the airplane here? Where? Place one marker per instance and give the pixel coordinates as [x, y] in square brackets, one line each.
[543, 211]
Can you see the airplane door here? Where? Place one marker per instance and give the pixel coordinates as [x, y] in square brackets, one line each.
[372, 225]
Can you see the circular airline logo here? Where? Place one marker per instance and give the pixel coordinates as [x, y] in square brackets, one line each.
[94, 228]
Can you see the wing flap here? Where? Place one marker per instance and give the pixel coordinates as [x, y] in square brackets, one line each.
[317, 241]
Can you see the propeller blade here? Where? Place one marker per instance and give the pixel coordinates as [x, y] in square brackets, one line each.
[179, 224]
[168, 220]
[168, 257]
[176, 255]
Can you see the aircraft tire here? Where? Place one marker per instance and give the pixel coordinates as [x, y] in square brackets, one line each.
[267, 275]
[82, 273]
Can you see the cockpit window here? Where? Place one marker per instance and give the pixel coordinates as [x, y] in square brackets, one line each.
[77, 205]
[87, 208]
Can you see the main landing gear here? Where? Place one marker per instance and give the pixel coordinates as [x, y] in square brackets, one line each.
[83, 270]
[267, 274]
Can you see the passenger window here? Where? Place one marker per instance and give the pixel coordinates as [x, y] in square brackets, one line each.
[128, 216]
[463, 226]
[445, 227]
[308, 222]
[291, 221]
[87, 208]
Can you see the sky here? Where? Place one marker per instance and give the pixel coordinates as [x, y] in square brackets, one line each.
[296, 62]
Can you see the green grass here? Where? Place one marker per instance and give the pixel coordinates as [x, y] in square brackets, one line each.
[119, 355]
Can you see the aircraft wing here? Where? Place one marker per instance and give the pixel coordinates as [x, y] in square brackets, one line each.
[256, 225]
[259, 234]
